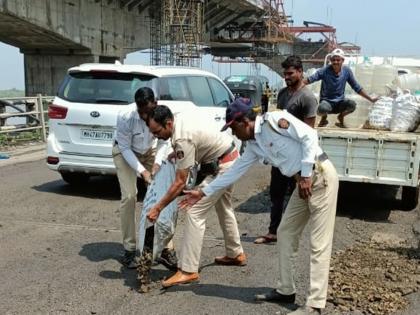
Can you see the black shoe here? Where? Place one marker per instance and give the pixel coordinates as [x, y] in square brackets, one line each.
[129, 259]
[168, 259]
[274, 296]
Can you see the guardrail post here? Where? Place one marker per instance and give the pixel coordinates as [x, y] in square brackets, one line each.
[42, 118]
[2, 110]
[29, 107]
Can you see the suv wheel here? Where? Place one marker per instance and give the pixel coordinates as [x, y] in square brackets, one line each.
[75, 178]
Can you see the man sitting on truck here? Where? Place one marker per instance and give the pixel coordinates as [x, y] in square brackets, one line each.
[334, 78]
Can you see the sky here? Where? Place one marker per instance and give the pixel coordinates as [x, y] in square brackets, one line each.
[380, 27]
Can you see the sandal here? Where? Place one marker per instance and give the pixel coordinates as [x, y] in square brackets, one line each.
[265, 239]
[323, 123]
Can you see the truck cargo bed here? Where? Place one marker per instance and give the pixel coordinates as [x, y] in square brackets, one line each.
[373, 156]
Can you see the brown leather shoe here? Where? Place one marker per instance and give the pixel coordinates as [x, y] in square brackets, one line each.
[181, 277]
[239, 260]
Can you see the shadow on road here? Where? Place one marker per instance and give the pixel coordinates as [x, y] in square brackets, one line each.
[128, 275]
[97, 252]
[355, 200]
[244, 294]
[99, 187]
[367, 202]
[102, 251]
[258, 203]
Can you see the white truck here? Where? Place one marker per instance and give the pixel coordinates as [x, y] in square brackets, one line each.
[376, 157]
[373, 156]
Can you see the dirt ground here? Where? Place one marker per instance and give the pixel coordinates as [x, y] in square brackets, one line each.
[60, 248]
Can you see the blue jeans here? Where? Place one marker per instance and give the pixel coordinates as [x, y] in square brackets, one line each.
[344, 106]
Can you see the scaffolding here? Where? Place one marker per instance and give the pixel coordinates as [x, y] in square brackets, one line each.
[268, 34]
[176, 28]
[264, 29]
[155, 33]
[275, 21]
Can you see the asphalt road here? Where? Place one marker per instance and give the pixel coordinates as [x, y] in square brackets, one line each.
[60, 244]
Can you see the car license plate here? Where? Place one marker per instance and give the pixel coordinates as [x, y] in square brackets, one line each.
[96, 134]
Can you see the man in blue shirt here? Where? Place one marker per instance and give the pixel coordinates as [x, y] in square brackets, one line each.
[334, 78]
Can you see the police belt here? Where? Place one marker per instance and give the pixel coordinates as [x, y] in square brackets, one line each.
[212, 167]
[321, 158]
[229, 155]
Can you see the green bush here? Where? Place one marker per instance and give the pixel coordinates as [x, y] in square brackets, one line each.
[19, 137]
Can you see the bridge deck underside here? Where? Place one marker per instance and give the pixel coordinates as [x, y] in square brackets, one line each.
[21, 33]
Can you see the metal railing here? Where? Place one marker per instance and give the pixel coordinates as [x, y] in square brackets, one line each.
[35, 113]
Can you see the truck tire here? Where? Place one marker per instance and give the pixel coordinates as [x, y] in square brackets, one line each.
[409, 197]
[75, 178]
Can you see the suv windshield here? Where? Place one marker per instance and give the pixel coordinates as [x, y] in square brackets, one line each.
[99, 87]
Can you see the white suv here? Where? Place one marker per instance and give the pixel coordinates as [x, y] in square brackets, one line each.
[83, 115]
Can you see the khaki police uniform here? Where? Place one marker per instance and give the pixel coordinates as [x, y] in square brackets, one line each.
[194, 143]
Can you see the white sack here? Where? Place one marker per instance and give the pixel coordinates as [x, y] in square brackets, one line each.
[380, 114]
[164, 227]
[405, 113]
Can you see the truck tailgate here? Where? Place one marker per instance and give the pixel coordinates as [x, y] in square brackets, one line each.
[372, 156]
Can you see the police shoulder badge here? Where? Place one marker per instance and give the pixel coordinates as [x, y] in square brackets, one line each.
[283, 123]
[179, 154]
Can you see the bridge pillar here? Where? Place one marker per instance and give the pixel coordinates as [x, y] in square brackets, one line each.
[44, 70]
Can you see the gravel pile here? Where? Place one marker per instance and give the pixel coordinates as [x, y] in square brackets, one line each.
[373, 278]
[143, 270]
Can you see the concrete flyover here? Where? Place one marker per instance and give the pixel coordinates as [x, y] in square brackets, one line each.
[54, 35]
[229, 23]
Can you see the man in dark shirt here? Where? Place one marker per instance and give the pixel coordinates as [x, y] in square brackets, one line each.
[299, 101]
[334, 78]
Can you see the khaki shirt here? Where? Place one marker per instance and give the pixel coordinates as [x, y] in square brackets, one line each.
[197, 139]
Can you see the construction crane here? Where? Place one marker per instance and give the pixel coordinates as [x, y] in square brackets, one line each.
[177, 28]
[270, 30]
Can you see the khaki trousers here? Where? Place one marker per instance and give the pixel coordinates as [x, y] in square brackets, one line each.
[319, 211]
[195, 225]
[127, 178]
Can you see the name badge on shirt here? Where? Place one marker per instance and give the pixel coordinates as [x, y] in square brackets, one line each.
[179, 154]
[283, 123]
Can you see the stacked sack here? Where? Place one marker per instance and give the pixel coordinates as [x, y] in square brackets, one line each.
[380, 114]
[399, 114]
[405, 113]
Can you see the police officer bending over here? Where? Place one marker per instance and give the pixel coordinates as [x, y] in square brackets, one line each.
[215, 152]
[285, 142]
